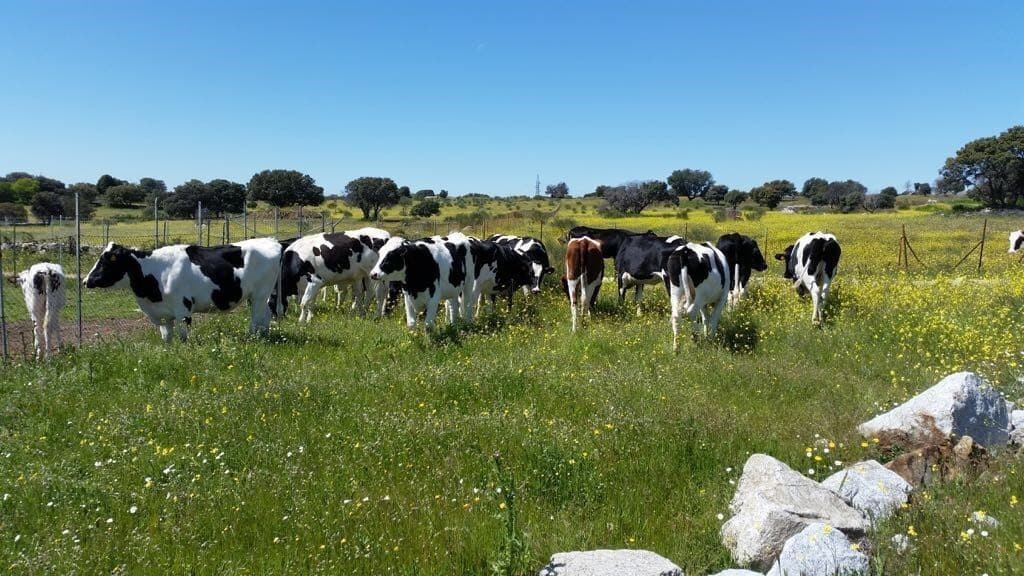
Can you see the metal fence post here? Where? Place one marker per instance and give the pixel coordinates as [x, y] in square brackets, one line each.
[245, 221]
[78, 257]
[3, 306]
[156, 222]
[276, 215]
[199, 220]
[300, 221]
[323, 221]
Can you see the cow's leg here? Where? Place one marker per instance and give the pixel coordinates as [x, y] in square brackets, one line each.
[380, 290]
[622, 288]
[572, 301]
[816, 300]
[410, 311]
[308, 298]
[184, 323]
[259, 317]
[638, 296]
[676, 301]
[53, 335]
[716, 314]
[432, 305]
[38, 334]
[824, 301]
[359, 291]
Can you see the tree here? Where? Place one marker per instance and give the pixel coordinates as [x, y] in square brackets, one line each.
[50, 184]
[283, 188]
[442, 194]
[404, 192]
[635, 196]
[24, 189]
[691, 183]
[559, 190]
[86, 208]
[884, 199]
[224, 196]
[124, 195]
[771, 193]
[838, 190]
[87, 193]
[13, 177]
[107, 181]
[815, 189]
[993, 167]
[11, 212]
[421, 194]
[922, 188]
[371, 194]
[46, 206]
[735, 197]
[716, 194]
[599, 192]
[7, 195]
[426, 208]
[153, 186]
[948, 186]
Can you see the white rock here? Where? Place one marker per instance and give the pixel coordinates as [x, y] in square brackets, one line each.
[980, 517]
[819, 550]
[738, 572]
[1017, 427]
[774, 502]
[872, 489]
[900, 542]
[610, 563]
[961, 404]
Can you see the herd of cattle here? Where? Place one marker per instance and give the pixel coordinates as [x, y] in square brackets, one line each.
[172, 283]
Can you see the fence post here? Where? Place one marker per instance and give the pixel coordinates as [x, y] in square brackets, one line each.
[156, 222]
[276, 216]
[245, 220]
[199, 220]
[323, 221]
[981, 253]
[3, 308]
[300, 221]
[78, 258]
[227, 230]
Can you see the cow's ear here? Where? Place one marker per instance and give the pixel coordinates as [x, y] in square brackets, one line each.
[781, 257]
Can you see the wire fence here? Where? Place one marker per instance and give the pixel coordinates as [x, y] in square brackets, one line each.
[92, 315]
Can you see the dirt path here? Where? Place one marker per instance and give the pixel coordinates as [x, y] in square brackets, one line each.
[20, 343]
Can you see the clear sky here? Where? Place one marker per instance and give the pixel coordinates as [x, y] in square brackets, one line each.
[483, 95]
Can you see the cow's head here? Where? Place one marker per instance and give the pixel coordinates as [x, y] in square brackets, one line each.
[752, 252]
[294, 275]
[112, 268]
[520, 272]
[785, 258]
[1016, 241]
[391, 264]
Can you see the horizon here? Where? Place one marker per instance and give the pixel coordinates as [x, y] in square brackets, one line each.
[476, 98]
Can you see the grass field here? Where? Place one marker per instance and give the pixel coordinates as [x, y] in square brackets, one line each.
[354, 447]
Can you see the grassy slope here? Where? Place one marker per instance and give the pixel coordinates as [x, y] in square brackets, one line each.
[260, 454]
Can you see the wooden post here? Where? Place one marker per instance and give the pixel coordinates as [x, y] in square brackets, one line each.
[981, 253]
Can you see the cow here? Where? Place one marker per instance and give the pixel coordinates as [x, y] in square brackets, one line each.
[743, 255]
[338, 258]
[697, 276]
[44, 287]
[172, 283]
[584, 273]
[533, 249]
[498, 269]
[811, 264]
[641, 260]
[1016, 240]
[430, 270]
[610, 239]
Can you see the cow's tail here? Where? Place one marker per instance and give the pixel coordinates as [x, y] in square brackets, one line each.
[49, 279]
[687, 288]
[279, 295]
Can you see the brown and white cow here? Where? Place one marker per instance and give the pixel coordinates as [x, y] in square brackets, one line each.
[584, 272]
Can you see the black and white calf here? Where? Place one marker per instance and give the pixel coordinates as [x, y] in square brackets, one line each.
[697, 277]
[743, 255]
[1016, 240]
[811, 265]
[535, 251]
[430, 270]
[640, 261]
[497, 269]
[45, 293]
[174, 282]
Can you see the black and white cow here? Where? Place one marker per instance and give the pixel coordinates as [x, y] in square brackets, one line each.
[533, 249]
[743, 255]
[174, 282]
[811, 265]
[498, 269]
[1016, 240]
[640, 261]
[697, 277]
[430, 270]
[339, 258]
[44, 288]
[610, 239]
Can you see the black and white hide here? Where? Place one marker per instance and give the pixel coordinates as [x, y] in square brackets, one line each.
[45, 291]
[811, 264]
[698, 278]
[172, 283]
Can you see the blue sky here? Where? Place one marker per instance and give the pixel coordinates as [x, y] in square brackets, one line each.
[481, 96]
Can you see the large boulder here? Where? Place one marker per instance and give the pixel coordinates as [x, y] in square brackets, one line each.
[872, 489]
[610, 563]
[819, 550]
[772, 503]
[961, 404]
[1017, 427]
[937, 463]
